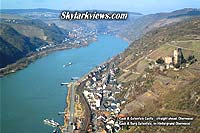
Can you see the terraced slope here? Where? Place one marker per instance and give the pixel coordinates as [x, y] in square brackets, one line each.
[153, 92]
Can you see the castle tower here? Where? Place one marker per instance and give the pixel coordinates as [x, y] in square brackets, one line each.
[178, 56]
[175, 56]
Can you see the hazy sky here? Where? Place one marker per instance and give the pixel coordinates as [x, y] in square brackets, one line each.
[143, 6]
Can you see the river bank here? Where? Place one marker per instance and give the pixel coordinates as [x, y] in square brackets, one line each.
[80, 83]
[24, 62]
[83, 90]
[86, 118]
[37, 88]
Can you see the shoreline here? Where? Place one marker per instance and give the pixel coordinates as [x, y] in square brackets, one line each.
[31, 58]
[78, 91]
[24, 62]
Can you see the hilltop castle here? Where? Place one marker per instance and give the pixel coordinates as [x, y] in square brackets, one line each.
[176, 59]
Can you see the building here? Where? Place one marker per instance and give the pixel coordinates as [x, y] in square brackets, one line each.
[176, 59]
[178, 56]
[168, 60]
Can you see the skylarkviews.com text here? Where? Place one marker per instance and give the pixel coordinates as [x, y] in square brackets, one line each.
[68, 15]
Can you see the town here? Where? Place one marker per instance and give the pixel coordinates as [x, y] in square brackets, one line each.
[99, 91]
[77, 37]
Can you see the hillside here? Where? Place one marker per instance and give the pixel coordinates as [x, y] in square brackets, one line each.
[15, 45]
[133, 28]
[152, 91]
[52, 16]
[142, 25]
[34, 28]
[20, 36]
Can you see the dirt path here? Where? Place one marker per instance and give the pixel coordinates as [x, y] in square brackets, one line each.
[180, 112]
[175, 46]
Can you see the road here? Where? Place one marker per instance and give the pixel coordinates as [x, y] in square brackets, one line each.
[69, 128]
[72, 101]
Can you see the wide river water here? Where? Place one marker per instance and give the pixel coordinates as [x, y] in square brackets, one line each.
[34, 93]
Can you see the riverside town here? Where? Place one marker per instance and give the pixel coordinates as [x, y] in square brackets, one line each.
[100, 66]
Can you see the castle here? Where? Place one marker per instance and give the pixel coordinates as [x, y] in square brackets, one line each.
[176, 59]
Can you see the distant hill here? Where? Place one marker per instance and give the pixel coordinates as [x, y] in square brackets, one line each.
[52, 16]
[134, 28]
[34, 28]
[14, 45]
[21, 11]
[142, 25]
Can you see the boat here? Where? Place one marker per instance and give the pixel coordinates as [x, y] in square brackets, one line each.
[61, 113]
[46, 121]
[74, 78]
[64, 84]
[55, 131]
[12, 71]
[51, 123]
[68, 64]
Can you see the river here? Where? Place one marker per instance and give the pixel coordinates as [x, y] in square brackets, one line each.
[34, 93]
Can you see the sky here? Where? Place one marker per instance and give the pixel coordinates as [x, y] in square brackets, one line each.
[142, 6]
